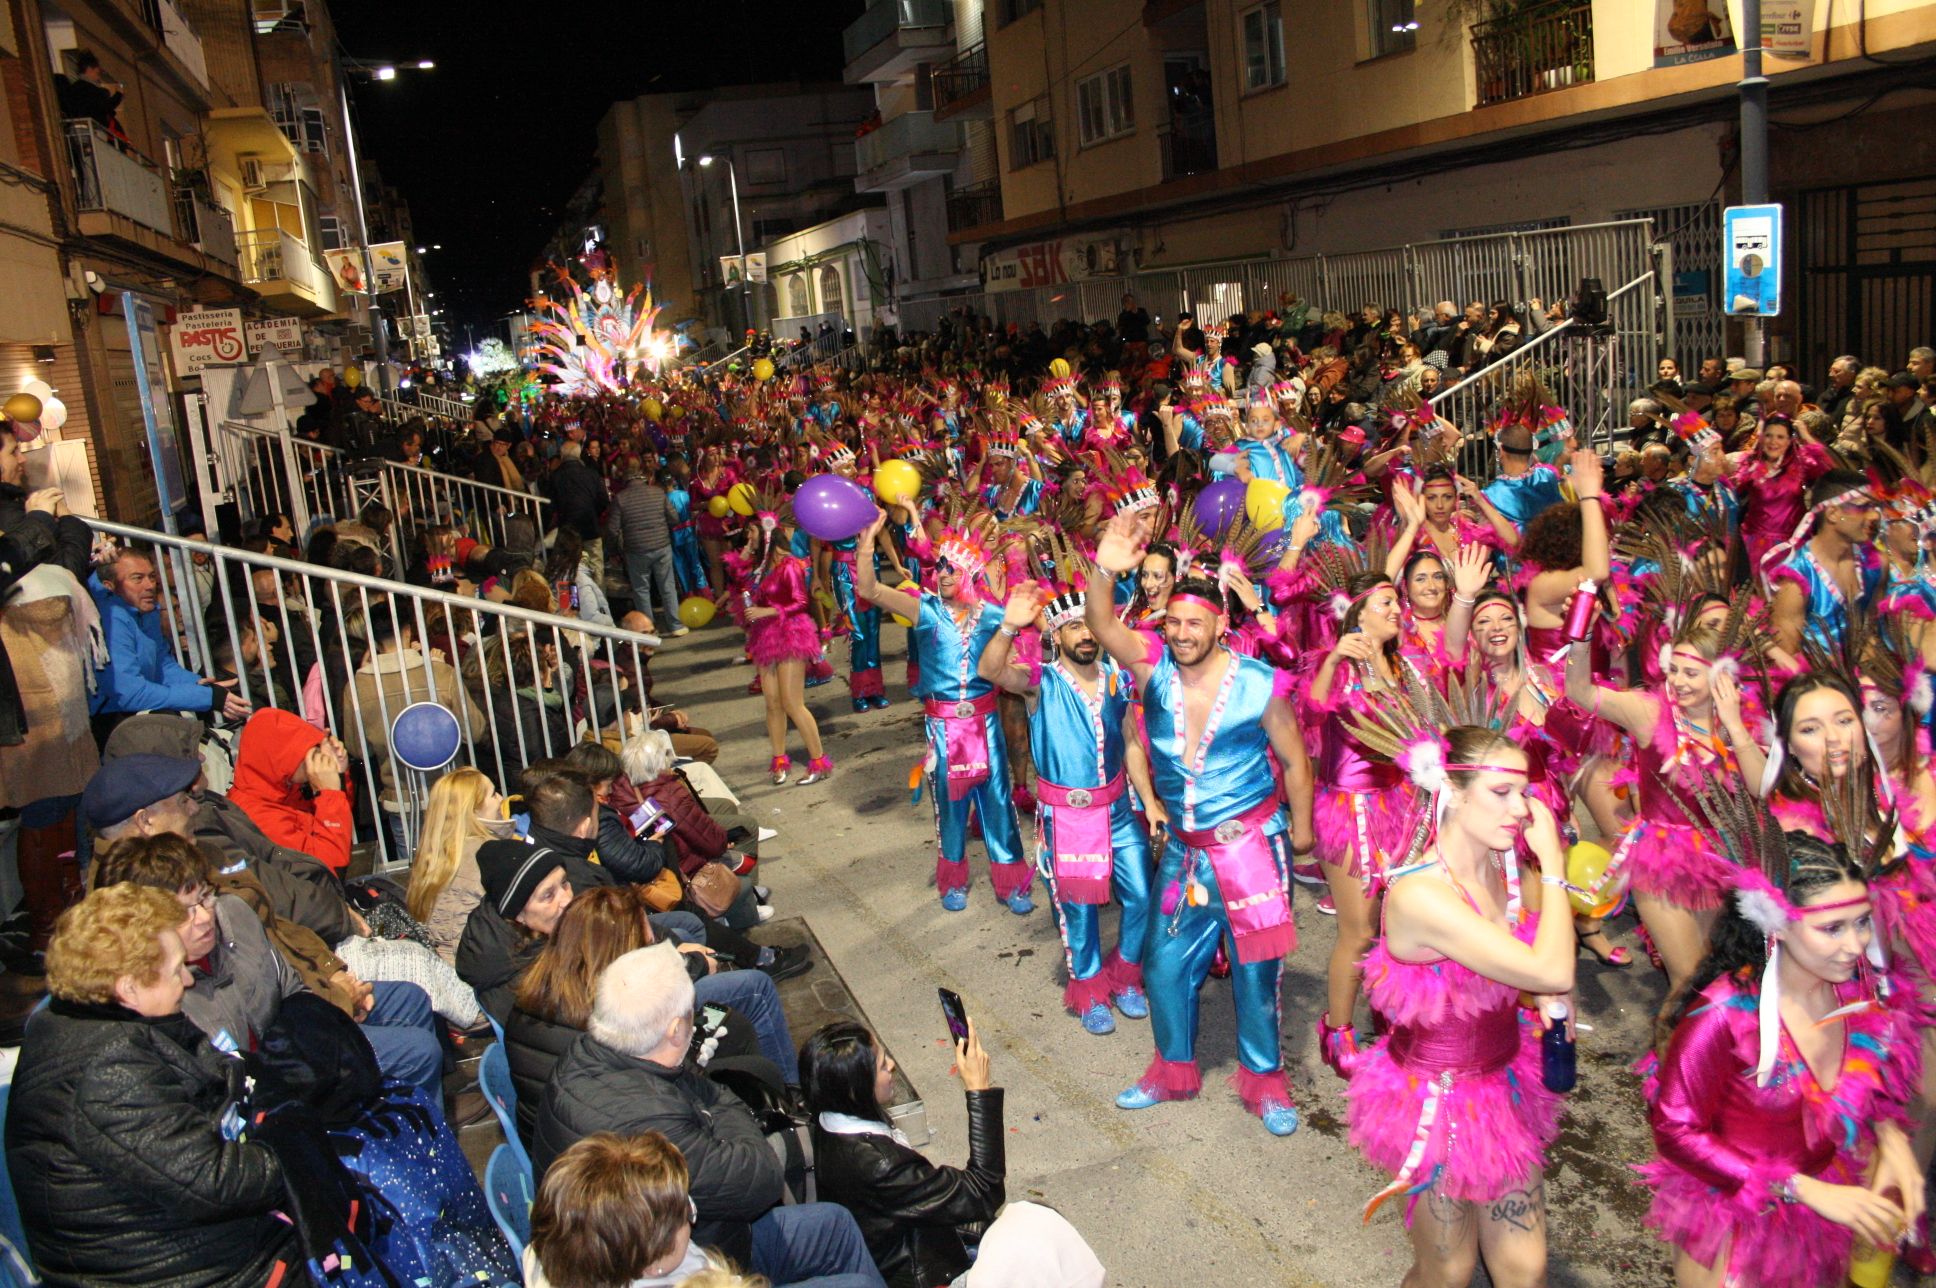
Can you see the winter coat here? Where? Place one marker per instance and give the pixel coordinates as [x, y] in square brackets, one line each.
[452, 911]
[384, 685]
[299, 887]
[119, 1165]
[240, 985]
[142, 673]
[521, 728]
[736, 1176]
[631, 858]
[696, 837]
[274, 744]
[578, 496]
[909, 1209]
[492, 955]
[56, 753]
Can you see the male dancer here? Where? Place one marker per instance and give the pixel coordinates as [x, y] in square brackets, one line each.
[1211, 715]
[967, 758]
[863, 619]
[1082, 729]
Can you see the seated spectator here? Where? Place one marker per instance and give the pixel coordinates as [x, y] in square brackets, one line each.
[463, 812]
[141, 673]
[630, 1073]
[289, 778]
[554, 1000]
[689, 741]
[531, 703]
[910, 1210]
[117, 1143]
[526, 891]
[617, 1210]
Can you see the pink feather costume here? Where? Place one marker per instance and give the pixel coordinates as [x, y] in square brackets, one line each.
[790, 634]
[1725, 1144]
[1363, 810]
[1663, 852]
[1463, 1040]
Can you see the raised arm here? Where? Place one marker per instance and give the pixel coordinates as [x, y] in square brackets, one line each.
[1596, 553]
[997, 665]
[1119, 550]
[1748, 753]
[1634, 712]
[1502, 527]
[867, 587]
[1471, 569]
[1411, 512]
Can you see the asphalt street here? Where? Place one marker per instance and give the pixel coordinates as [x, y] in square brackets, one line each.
[1194, 1192]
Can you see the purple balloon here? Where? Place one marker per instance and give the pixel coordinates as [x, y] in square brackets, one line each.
[1219, 504]
[831, 508]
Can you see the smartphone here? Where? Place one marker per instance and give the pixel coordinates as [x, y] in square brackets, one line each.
[711, 1017]
[956, 1014]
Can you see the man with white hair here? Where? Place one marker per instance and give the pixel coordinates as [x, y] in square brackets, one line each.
[630, 1072]
[579, 499]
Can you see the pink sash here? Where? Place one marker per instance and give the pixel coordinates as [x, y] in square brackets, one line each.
[1253, 891]
[1084, 852]
[965, 736]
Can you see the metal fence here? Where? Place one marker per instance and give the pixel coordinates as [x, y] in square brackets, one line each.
[521, 684]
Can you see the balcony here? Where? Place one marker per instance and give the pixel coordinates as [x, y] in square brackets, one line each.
[1188, 151]
[894, 36]
[1535, 49]
[911, 147]
[179, 38]
[284, 273]
[975, 206]
[208, 228]
[961, 86]
[115, 183]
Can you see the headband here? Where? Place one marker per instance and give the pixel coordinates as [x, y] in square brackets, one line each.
[1342, 604]
[1217, 609]
[1488, 769]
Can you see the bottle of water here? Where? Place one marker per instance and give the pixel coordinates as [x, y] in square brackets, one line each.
[1556, 1051]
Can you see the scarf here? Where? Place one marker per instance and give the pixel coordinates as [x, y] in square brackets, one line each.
[85, 637]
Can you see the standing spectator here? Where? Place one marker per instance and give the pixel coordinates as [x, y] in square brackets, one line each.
[1133, 323]
[289, 780]
[141, 672]
[1837, 394]
[1904, 392]
[642, 523]
[579, 495]
[89, 95]
[494, 465]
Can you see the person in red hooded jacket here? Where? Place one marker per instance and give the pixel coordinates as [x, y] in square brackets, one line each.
[289, 778]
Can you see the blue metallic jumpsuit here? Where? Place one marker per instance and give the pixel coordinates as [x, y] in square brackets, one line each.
[863, 622]
[688, 564]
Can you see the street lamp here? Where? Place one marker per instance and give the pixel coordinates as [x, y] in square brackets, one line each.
[379, 336]
[739, 238]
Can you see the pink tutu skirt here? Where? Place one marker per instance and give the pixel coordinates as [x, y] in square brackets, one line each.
[786, 638]
[1383, 838]
[1678, 863]
[1770, 1244]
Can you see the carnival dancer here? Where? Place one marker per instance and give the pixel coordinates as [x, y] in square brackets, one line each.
[1523, 487]
[1771, 479]
[1820, 577]
[688, 563]
[967, 762]
[863, 618]
[1451, 1102]
[1067, 419]
[1779, 1117]
[715, 523]
[1224, 876]
[780, 636]
[1088, 751]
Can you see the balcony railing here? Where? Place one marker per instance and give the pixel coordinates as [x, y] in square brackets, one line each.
[907, 135]
[180, 39]
[973, 206]
[205, 226]
[1188, 151]
[109, 176]
[960, 76]
[1535, 49]
[884, 17]
[272, 255]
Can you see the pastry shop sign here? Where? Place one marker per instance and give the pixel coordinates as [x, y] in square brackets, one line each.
[207, 338]
[1052, 263]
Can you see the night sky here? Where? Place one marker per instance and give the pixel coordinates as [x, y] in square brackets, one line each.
[489, 145]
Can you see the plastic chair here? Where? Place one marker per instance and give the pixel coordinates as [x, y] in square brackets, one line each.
[494, 1080]
[507, 1185]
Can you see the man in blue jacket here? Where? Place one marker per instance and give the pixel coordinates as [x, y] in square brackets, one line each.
[142, 673]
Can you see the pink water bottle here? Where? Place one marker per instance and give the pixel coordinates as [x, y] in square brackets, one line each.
[1579, 614]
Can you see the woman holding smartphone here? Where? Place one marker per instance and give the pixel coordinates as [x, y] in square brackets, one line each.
[910, 1210]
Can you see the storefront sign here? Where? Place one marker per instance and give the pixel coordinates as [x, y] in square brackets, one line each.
[389, 271]
[1691, 31]
[1051, 263]
[214, 335]
[1788, 28]
[1751, 244]
[1692, 293]
[277, 335]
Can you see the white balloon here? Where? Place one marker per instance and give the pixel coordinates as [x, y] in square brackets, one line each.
[53, 413]
[39, 389]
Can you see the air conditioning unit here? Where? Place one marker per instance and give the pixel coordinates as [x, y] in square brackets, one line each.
[252, 173]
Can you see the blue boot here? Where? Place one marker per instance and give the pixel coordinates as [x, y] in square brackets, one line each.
[1098, 1020]
[1132, 1003]
[1279, 1119]
[954, 900]
[1137, 1097]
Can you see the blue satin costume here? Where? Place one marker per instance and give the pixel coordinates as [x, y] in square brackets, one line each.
[1236, 776]
[863, 622]
[1027, 501]
[688, 564]
[1828, 616]
[1522, 496]
[1062, 738]
[1071, 432]
[1271, 459]
[947, 675]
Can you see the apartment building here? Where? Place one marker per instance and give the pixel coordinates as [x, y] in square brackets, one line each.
[1098, 139]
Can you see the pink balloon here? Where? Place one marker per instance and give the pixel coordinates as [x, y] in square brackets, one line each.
[831, 508]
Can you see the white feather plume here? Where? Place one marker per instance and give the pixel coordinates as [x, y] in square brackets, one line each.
[1922, 694]
[1425, 765]
[1762, 907]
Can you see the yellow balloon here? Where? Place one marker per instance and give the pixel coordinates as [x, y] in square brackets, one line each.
[1584, 864]
[22, 407]
[896, 479]
[1058, 367]
[653, 410]
[353, 376]
[762, 369]
[1264, 503]
[717, 507]
[742, 498]
[696, 610]
[910, 588]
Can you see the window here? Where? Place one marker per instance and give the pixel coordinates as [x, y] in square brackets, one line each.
[330, 230]
[1264, 46]
[1393, 26]
[1031, 134]
[1103, 106]
[797, 303]
[1013, 9]
[765, 166]
[831, 297]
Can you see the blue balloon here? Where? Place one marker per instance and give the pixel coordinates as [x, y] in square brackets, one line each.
[425, 736]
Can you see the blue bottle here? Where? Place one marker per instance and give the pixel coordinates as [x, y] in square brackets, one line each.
[1557, 1054]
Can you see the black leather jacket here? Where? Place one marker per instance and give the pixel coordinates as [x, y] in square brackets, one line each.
[909, 1209]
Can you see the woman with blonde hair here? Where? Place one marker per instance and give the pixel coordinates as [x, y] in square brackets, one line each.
[464, 811]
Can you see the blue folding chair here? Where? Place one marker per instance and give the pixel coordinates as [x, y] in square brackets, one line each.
[507, 1185]
[494, 1080]
[16, 1271]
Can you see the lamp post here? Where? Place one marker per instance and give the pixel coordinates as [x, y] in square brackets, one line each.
[739, 238]
[379, 337]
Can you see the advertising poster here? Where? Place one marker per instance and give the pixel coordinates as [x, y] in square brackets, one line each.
[389, 271]
[345, 265]
[1691, 31]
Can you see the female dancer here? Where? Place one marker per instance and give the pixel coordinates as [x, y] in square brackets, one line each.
[1772, 481]
[1451, 1101]
[1432, 519]
[781, 638]
[1784, 1086]
[1363, 810]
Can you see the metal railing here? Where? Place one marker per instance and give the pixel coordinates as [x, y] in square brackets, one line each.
[111, 176]
[1530, 51]
[907, 135]
[272, 255]
[521, 684]
[960, 76]
[975, 205]
[1188, 151]
[885, 17]
[205, 226]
